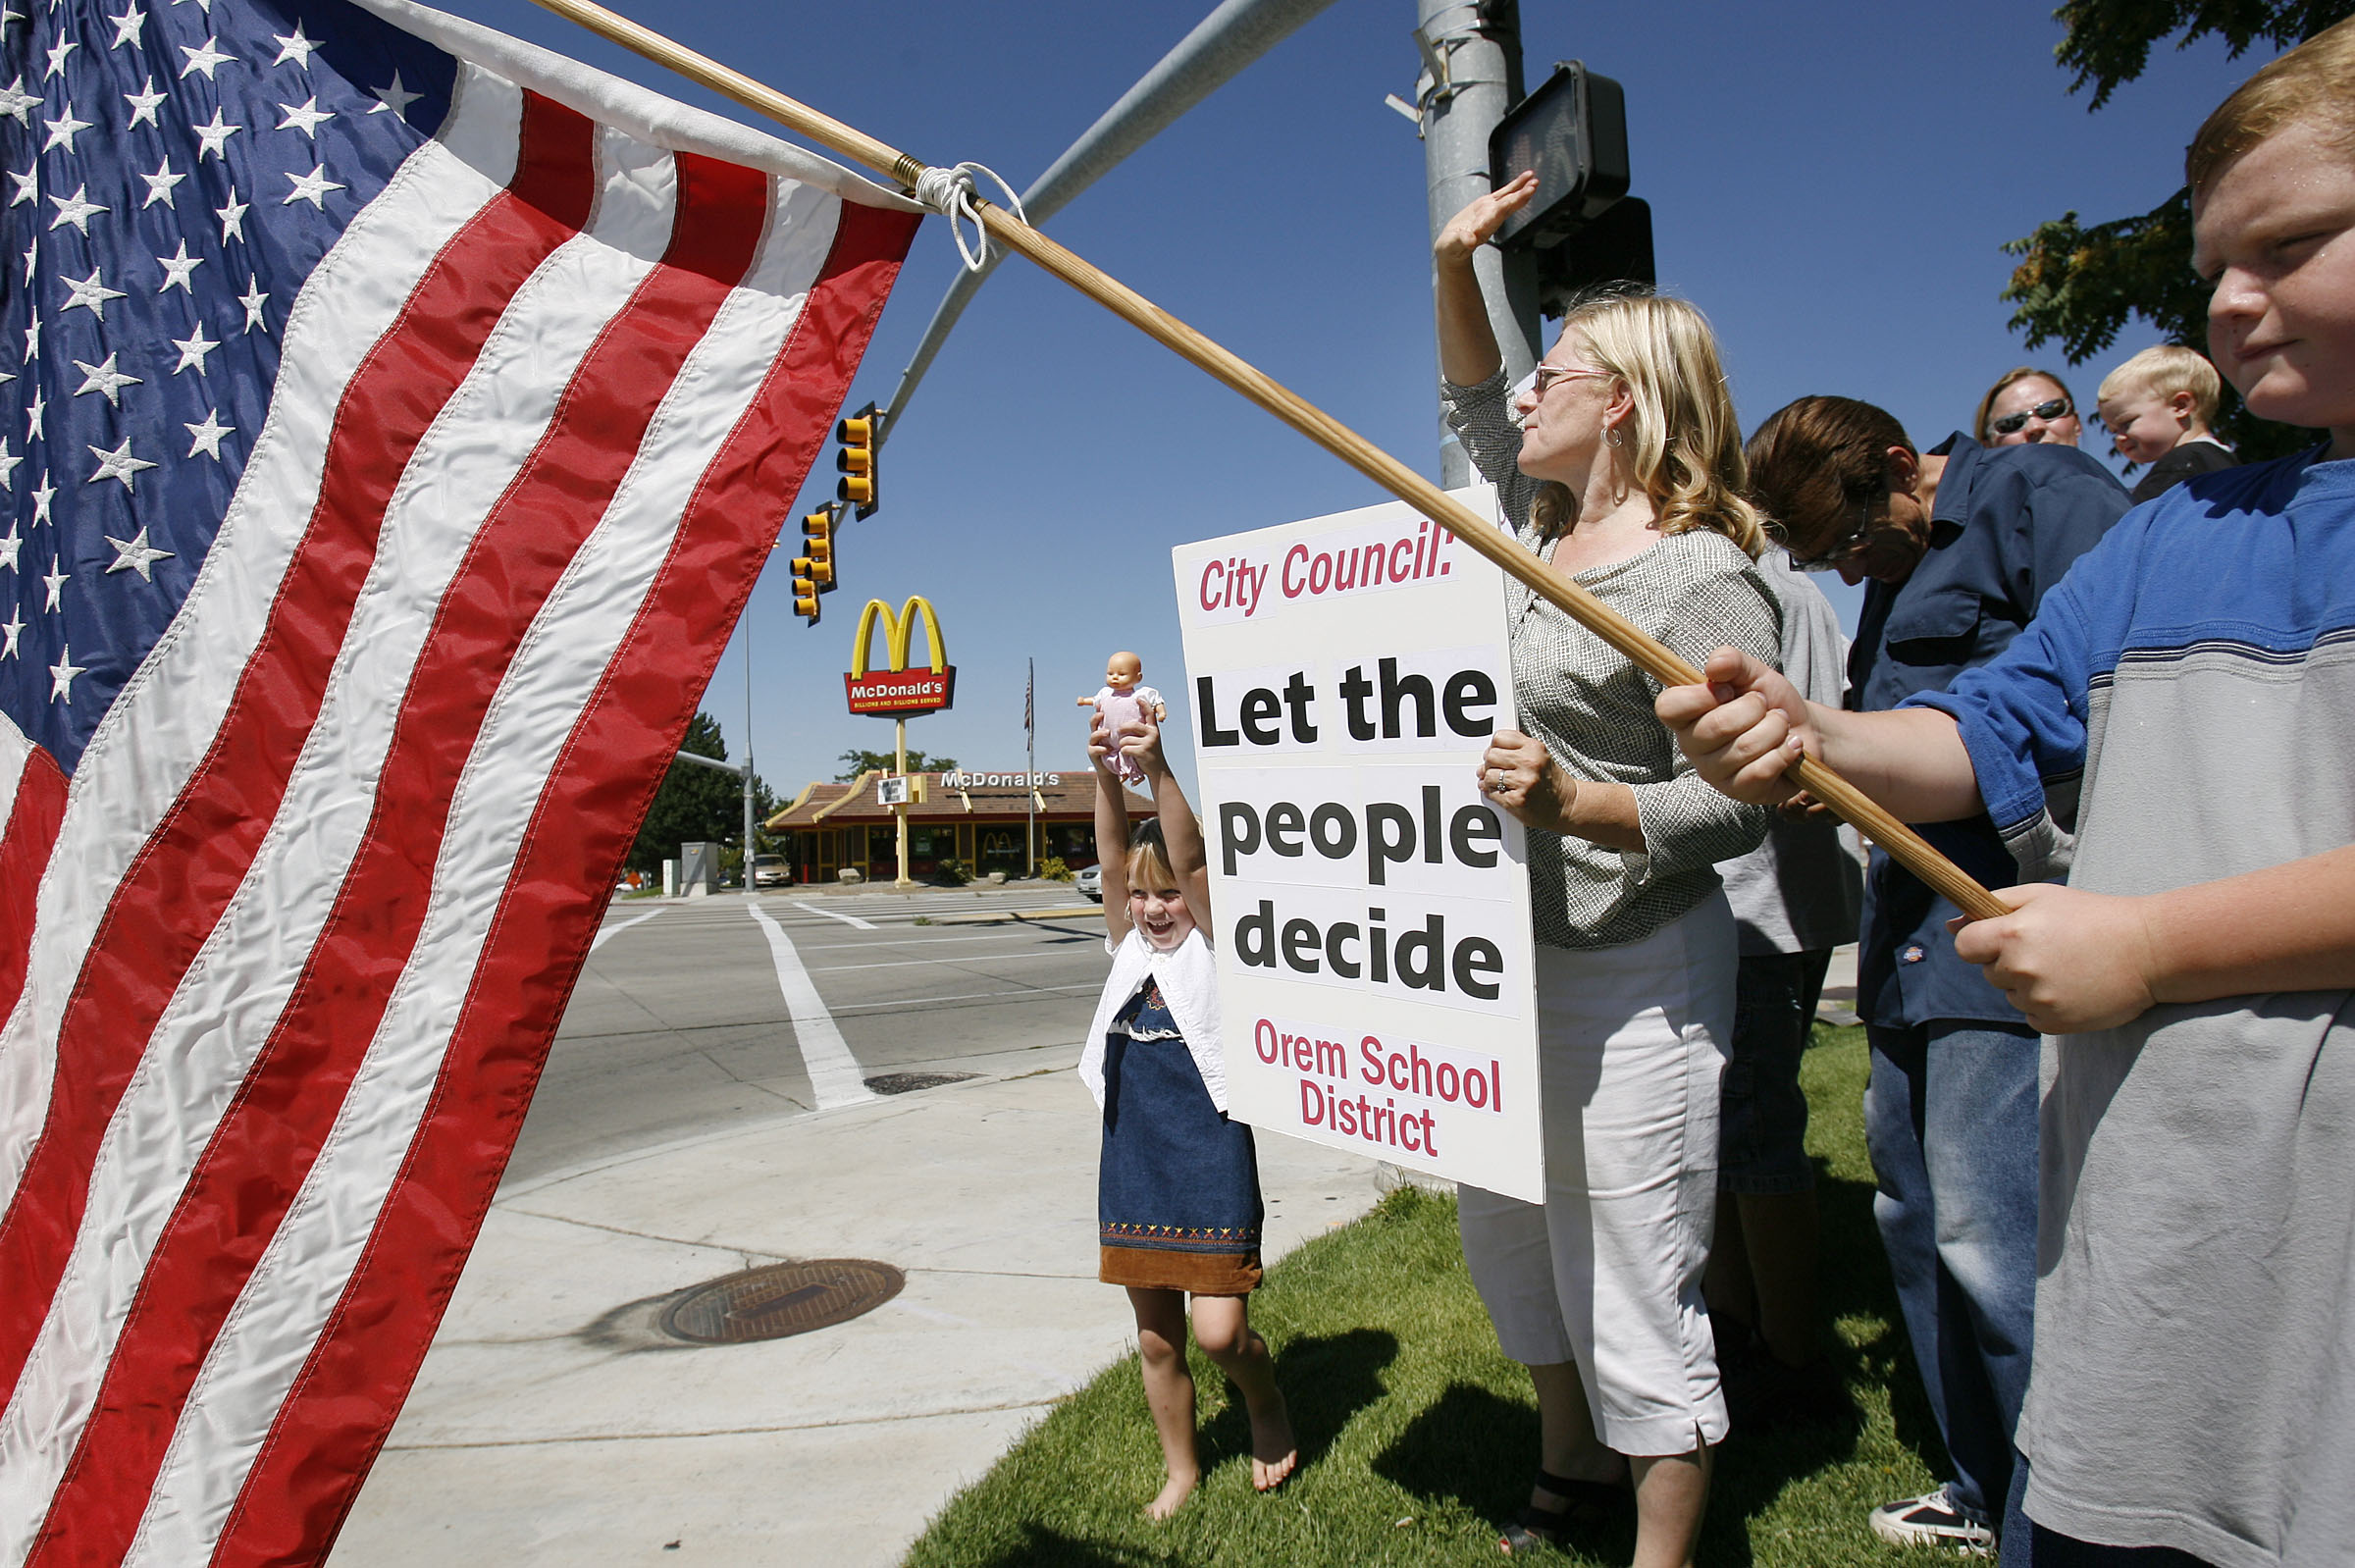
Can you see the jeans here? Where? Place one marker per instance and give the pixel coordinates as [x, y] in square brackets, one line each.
[1949, 1115]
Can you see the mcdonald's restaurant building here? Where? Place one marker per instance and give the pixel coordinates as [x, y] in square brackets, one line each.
[974, 817]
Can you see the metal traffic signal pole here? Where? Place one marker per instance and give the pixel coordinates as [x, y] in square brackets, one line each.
[1471, 76]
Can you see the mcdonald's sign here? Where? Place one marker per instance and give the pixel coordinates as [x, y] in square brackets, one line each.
[898, 690]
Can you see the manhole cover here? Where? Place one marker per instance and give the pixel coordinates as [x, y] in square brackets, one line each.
[781, 1299]
[905, 1083]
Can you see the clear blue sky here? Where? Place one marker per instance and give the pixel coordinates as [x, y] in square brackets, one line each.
[1830, 181]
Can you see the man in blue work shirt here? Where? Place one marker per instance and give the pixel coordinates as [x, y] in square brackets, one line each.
[1957, 545]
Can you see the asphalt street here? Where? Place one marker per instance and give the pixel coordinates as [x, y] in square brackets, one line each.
[683, 1022]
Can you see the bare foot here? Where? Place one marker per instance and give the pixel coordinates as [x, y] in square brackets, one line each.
[1174, 1493]
[1274, 1451]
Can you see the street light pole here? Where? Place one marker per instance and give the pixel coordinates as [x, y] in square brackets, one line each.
[899, 809]
[748, 752]
[1471, 76]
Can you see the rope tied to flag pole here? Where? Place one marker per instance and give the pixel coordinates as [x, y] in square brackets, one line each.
[953, 193]
[1850, 804]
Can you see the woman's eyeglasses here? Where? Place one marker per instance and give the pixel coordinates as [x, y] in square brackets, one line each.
[1542, 378]
[2013, 424]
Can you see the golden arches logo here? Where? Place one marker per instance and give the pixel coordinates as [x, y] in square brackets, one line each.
[898, 690]
[899, 635]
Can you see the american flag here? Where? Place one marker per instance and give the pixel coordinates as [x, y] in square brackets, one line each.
[397, 419]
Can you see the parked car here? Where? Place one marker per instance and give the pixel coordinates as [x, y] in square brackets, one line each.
[769, 870]
[1090, 883]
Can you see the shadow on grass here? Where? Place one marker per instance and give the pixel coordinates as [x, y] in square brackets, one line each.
[1476, 1447]
[1052, 1548]
[1326, 1378]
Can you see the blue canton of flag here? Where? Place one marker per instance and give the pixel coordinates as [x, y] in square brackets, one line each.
[174, 172]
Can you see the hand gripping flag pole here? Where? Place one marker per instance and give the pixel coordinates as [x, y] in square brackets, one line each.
[1850, 802]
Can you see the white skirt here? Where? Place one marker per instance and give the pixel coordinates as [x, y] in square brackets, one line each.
[1632, 1043]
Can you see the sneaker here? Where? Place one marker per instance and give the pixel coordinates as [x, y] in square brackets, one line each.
[1930, 1520]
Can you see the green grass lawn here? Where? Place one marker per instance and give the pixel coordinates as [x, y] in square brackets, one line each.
[1418, 1438]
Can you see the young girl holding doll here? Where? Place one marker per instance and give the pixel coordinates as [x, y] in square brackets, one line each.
[1177, 1194]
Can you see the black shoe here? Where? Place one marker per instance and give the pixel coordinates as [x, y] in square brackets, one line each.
[1584, 1503]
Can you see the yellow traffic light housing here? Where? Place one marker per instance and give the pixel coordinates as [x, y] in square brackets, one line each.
[856, 460]
[813, 569]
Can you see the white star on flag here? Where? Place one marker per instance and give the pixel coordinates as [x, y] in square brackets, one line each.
[298, 49]
[56, 581]
[135, 554]
[62, 131]
[14, 629]
[57, 57]
[160, 184]
[311, 188]
[143, 103]
[387, 98]
[127, 25]
[76, 209]
[207, 59]
[90, 293]
[32, 418]
[213, 137]
[253, 299]
[9, 546]
[206, 437]
[41, 498]
[105, 378]
[61, 676]
[232, 217]
[8, 462]
[116, 464]
[28, 184]
[192, 349]
[18, 104]
[307, 118]
[178, 268]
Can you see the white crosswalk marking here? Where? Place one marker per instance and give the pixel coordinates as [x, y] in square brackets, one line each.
[616, 929]
[851, 921]
[834, 1074]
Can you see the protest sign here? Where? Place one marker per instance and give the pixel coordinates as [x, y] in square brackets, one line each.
[1371, 906]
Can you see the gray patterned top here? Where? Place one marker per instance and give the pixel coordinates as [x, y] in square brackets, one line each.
[1696, 591]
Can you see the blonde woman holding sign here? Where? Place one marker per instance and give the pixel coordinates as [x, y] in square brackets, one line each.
[1621, 463]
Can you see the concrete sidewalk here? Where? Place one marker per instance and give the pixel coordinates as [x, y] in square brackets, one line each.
[555, 1424]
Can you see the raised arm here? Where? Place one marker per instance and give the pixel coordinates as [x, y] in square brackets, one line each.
[1112, 832]
[1468, 354]
[1180, 830]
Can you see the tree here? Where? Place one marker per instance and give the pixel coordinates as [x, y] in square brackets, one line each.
[697, 805]
[2079, 284]
[856, 761]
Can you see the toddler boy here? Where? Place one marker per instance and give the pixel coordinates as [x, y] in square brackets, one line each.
[2157, 407]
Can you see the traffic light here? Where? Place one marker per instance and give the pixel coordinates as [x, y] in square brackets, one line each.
[1583, 227]
[814, 568]
[856, 460]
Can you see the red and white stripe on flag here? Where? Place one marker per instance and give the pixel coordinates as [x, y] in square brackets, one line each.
[281, 964]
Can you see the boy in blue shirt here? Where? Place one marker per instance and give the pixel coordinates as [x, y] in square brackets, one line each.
[2193, 1393]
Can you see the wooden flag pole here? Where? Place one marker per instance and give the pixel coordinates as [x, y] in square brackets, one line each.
[1850, 804]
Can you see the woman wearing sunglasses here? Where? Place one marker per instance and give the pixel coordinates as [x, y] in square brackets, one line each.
[2027, 406]
[1620, 461]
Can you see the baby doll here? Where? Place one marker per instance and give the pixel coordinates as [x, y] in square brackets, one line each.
[1123, 702]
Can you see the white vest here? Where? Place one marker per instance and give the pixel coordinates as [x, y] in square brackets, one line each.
[1189, 986]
